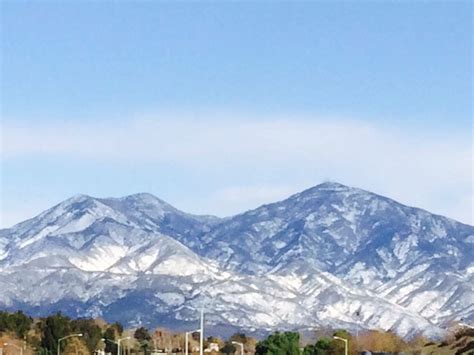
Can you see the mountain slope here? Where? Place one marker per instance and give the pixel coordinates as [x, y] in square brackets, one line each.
[317, 258]
[364, 238]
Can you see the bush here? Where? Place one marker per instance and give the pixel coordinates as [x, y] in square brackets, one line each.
[286, 343]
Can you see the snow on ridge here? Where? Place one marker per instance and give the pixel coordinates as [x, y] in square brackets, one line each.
[330, 248]
[44, 232]
[100, 259]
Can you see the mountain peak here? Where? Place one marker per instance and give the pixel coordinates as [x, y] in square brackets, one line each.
[141, 196]
[145, 199]
[78, 198]
[325, 187]
[331, 185]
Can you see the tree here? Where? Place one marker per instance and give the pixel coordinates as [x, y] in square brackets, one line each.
[17, 322]
[53, 328]
[75, 346]
[338, 346]
[118, 327]
[240, 337]
[228, 348]
[109, 336]
[215, 340]
[249, 342]
[196, 336]
[90, 330]
[143, 337]
[142, 334]
[381, 341]
[310, 349]
[323, 346]
[286, 343]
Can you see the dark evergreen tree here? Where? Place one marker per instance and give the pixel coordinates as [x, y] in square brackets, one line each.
[228, 348]
[142, 334]
[118, 327]
[53, 328]
[143, 337]
[109, 336]
[310, 349]
[323, 345]
[17, 322]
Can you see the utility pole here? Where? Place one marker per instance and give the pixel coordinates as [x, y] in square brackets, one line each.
[186, 340]
[357, 329]
[345, 343]
[186, 343]
[201, 334]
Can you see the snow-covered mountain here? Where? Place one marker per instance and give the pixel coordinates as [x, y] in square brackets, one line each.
[315, 259]
[419, 260]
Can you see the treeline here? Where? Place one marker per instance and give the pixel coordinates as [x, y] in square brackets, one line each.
[290, 343]
[55, 327]
[17, 322]
[458, 340]
[43, 334]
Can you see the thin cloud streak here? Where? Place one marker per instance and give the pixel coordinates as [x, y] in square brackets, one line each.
[414, 167]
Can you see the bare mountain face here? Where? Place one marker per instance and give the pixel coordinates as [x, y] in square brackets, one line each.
[329, 256]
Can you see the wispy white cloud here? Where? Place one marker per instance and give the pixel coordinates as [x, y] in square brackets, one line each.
[416, 167]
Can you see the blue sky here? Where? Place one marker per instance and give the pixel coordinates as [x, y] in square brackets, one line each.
[219, 107]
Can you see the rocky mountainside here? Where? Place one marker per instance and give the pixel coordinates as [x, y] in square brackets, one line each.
[411, 257]
[331, 255]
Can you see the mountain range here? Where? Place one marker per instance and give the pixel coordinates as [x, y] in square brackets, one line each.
[330, 256]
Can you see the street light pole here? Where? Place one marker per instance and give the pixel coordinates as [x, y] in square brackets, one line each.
[186, 339]
[116, 342]
[15, 346]
[67, 336]
[345, 343]
[241, 346]
[186, 350]
[201, 333]
[357, 330]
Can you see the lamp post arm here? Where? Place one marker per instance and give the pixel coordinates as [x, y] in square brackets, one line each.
[345, 343]
[66, 337]
[241, 345]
